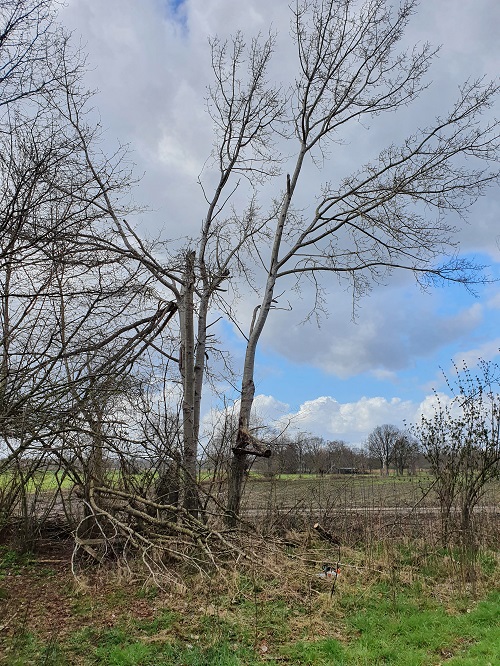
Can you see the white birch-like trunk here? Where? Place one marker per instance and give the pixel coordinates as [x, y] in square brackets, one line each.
[239, 459]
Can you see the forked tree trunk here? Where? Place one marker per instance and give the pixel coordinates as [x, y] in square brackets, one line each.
[6, 336]
[239, 459]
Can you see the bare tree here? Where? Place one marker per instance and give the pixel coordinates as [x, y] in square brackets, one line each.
[405, 452]
[194, 278]
[75, 316]
[341, 455]
[29, 39]
[461, 442]
[351, 67]
[381, 445]
[365, 225]
[378, 219]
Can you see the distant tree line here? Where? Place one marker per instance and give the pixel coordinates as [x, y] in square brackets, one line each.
[386, 448]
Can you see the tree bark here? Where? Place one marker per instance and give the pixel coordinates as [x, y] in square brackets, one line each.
[187, 369]
[239, 460]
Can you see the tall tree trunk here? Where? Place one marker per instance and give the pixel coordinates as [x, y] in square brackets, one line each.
[187, 369]
[239, 459]
[4, 359]
[93, 476]
[200, 357]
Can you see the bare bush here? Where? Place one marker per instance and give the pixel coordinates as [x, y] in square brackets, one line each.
[461, 442]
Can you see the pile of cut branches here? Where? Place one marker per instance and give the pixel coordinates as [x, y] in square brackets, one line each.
[124, 525]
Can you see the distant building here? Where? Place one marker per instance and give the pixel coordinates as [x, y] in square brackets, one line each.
[346, 470]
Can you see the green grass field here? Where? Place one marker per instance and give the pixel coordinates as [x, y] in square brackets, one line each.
[38, 482]
[401, 605]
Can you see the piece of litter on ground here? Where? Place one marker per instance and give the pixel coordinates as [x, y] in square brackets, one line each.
[329, 572]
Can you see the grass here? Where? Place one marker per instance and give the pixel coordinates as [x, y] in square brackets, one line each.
[309, 490]
[403, 635]
[397, 604]
[12, 562]
[338, 495]
[42, 481]
[400, 632]
[400, 601]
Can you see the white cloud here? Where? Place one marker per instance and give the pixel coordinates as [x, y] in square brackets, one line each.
[486, 351]
[494, 302]
[266, 410]
[325, 416]
[431, 403]
[352, 421]
[172, 151]
[269, 409]
[380, 373]
[152, 72]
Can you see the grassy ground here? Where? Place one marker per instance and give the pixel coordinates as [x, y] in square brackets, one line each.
[398, 600]
[307, 490]
[356, 491]
[403, 604]
[43, 481]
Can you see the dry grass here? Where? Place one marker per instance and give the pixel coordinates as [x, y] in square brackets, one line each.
[259, 606]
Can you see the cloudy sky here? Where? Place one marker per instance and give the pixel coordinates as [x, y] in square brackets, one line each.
[149, 60]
